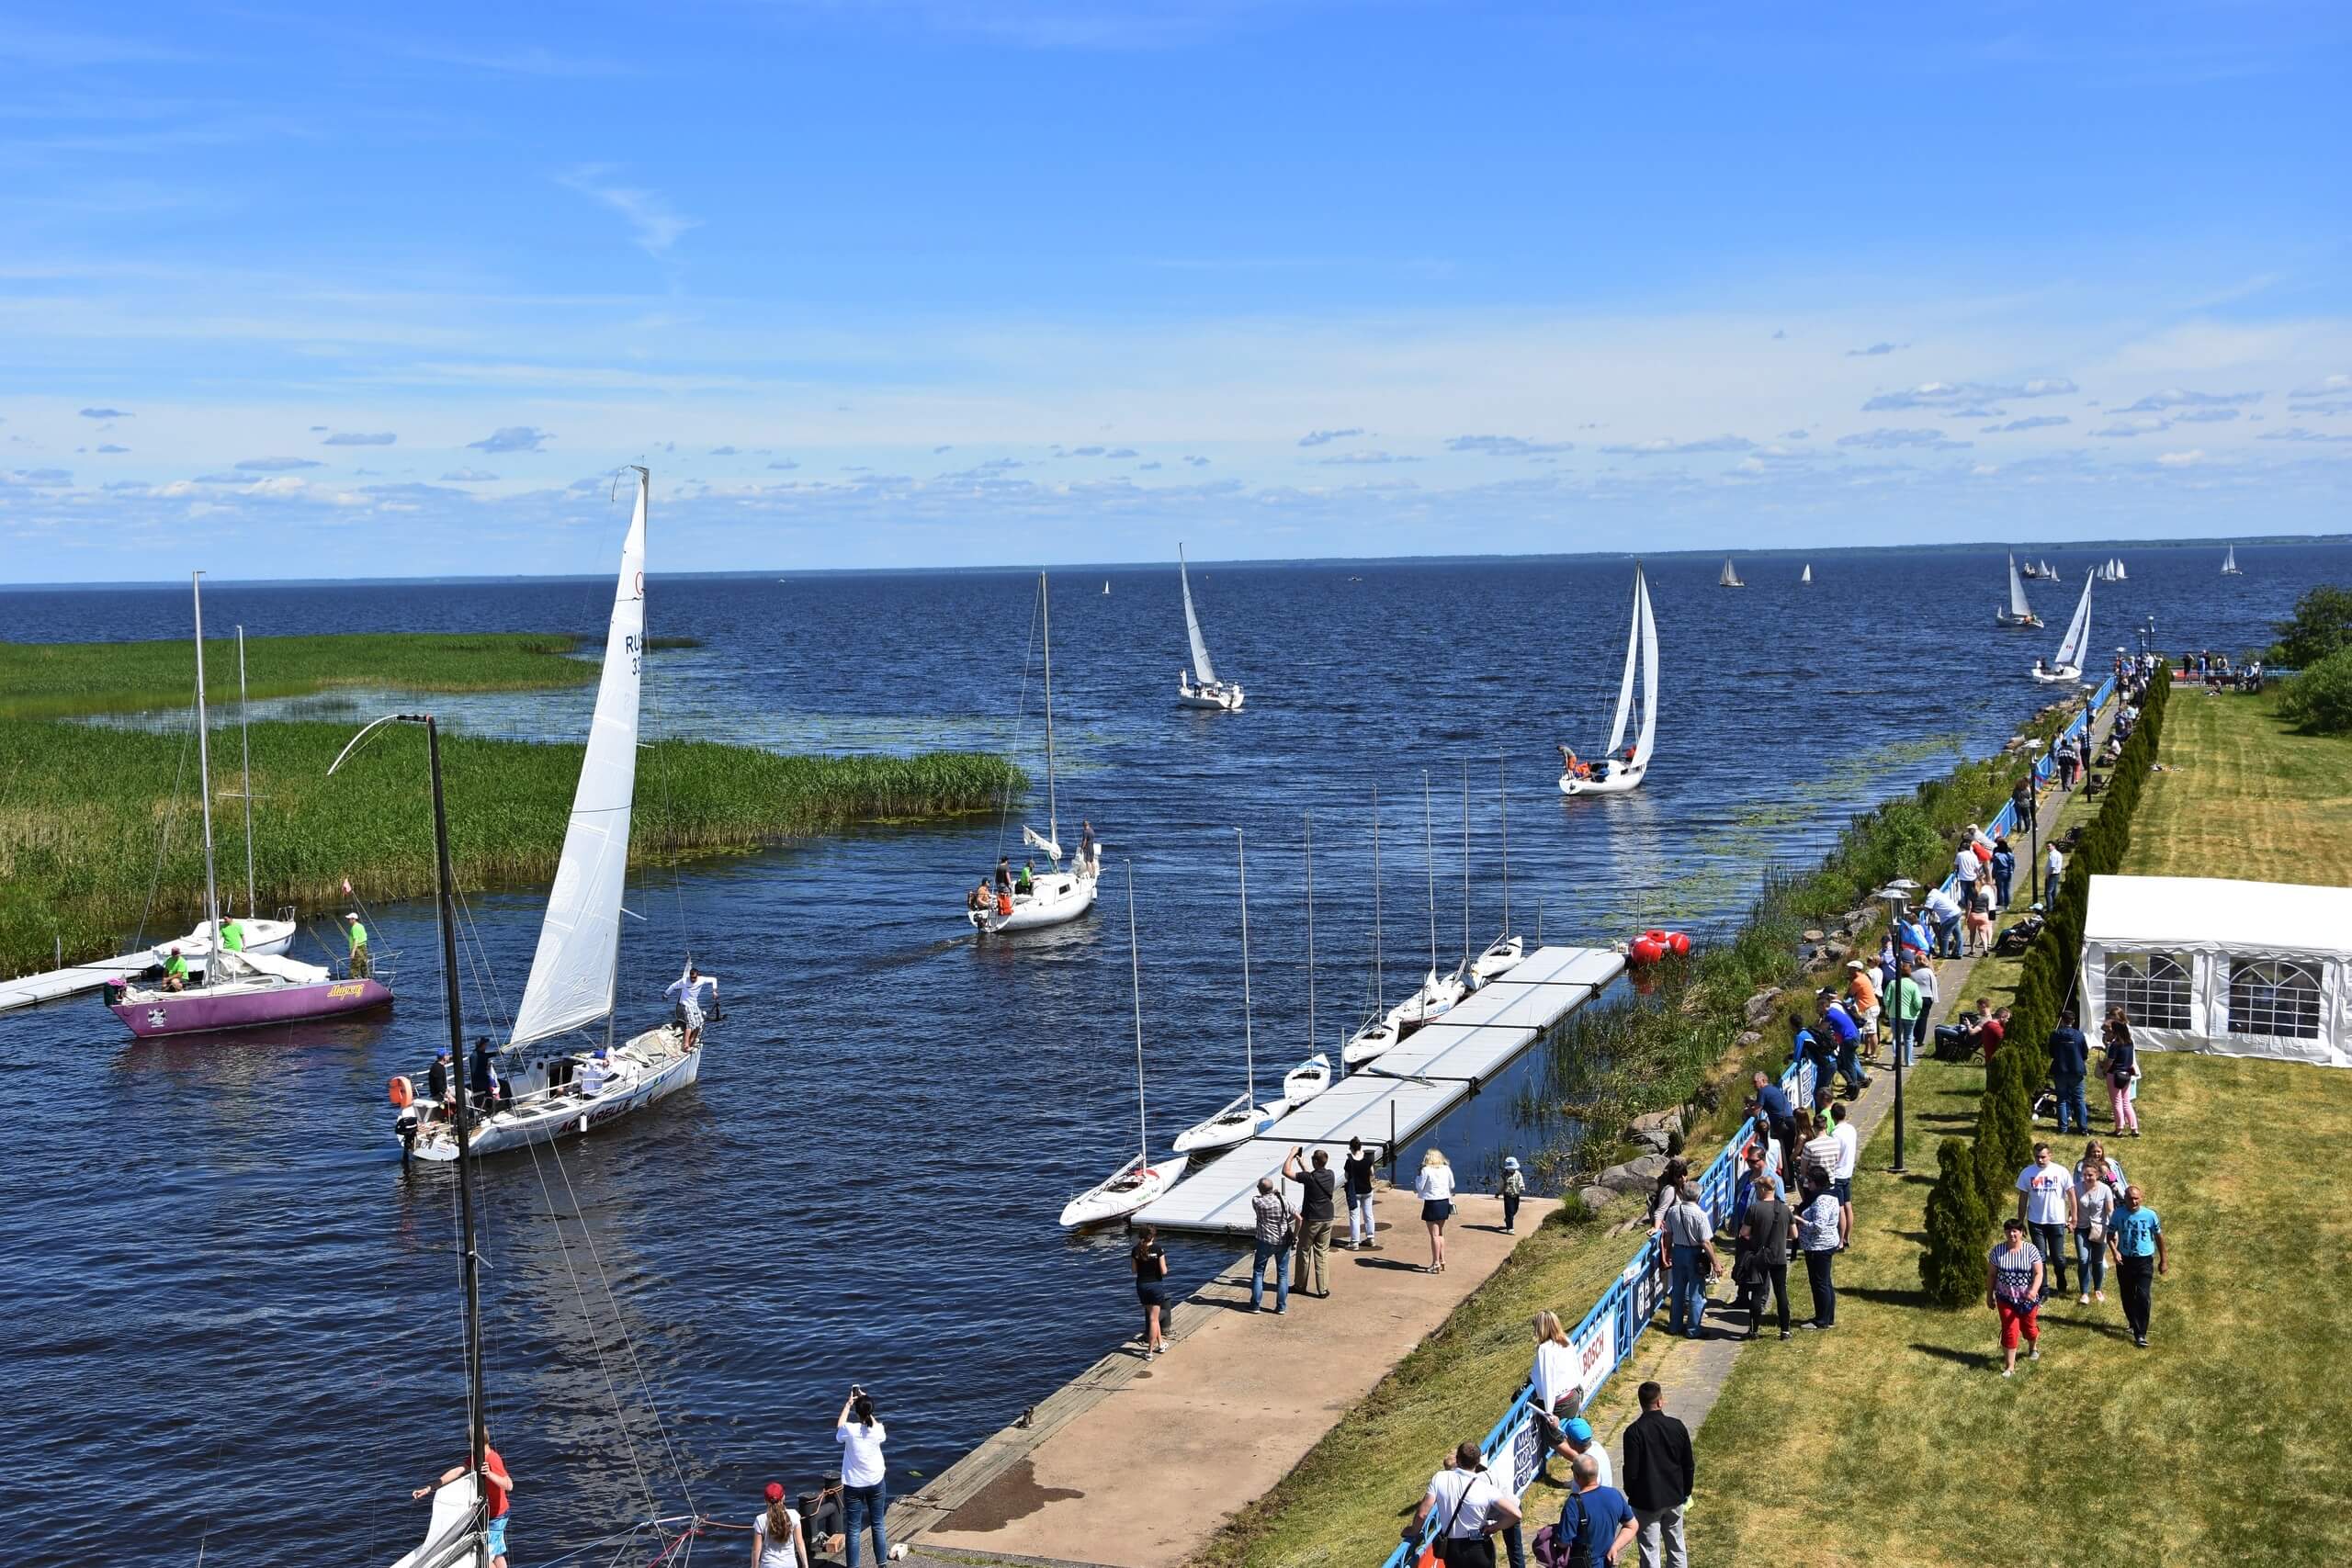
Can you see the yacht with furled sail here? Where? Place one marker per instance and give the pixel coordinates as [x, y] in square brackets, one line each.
[1058, 896]
[574, 1085]
[1199, 687]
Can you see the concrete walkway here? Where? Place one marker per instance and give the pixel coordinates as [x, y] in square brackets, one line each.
[1693, 1373]
[1135, 1464]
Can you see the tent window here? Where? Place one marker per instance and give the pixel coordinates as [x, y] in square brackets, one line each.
[2275, 996]
[2151, 988]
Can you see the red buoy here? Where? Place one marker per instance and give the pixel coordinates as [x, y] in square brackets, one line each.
[1678, 944]
[1645, 951]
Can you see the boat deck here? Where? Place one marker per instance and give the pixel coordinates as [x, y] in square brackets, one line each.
[1402, 1091]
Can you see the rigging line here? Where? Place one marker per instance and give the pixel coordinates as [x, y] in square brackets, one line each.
[163, 844]
[1020, 716]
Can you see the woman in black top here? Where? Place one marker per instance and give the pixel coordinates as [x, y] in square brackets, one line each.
[2123, 1067]
[1151, 1286]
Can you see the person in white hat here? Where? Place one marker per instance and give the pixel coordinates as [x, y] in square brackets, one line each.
[358, 934]
[1514, 1188]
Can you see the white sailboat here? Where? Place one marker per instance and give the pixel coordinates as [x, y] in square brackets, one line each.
[574, 969]
[1106, 588]
[1620, 771]
[2019, 613]
[1242, 1116]
[1313, 1075]
[1199, 687]
[1140, 1181]
[1804, 578]
[1502, 954]
[1379, 1031]
[1729, 579]
[2120, 574]
[1058, 896]
[2048, 572]
[2230, 563]
[1438, 992]
[2073, 647]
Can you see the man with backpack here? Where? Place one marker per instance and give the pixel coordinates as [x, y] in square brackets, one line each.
[1596, 1523]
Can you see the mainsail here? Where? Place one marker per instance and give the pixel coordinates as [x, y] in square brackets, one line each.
[1202, 670]
[2078, 630]
[571, 974]
[2019, 608]
[1641, 645]
[1729, 579]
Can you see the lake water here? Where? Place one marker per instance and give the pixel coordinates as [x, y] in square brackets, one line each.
[232, 1312]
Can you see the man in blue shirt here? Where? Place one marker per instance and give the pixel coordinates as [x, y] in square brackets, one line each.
[1781, 1116]
[2070, 1057]
[1596, 1524]
[1839, 1026]
[2138, 1242]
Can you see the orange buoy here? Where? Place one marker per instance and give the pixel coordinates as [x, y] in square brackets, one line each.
[1678, 944]
[403, 1093]
[1645, 950]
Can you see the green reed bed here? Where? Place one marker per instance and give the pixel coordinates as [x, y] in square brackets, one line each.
[83, 813]
[53, 680]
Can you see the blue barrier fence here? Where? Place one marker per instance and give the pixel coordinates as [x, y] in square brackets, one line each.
[1606, 1335]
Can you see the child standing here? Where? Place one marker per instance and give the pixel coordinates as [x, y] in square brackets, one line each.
[1514, 1187]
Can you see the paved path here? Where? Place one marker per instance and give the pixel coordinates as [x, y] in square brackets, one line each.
[1234, 1404]
[1693, 1373]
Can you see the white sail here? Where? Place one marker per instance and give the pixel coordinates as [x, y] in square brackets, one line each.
[1806, 576]
[1038, 841]
[1729, 579]
[1625, 681]
[2019, 608]
[1648, 741]
[571, 974]
[2230, 562]
[1202, 672]
[2079, 631]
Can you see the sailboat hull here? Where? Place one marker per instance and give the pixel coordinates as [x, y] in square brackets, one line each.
[659, 1065]
[2059, 677]
[200, 1011]
[1135, 1185]
[2017, 623]
[1617, 780]
[1060, 898]
[1220, 698]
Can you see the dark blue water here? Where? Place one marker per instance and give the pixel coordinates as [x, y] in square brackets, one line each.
[231, 1309]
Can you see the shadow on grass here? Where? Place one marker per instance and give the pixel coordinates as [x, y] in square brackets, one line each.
[1884, 1296]
[1974, 1359]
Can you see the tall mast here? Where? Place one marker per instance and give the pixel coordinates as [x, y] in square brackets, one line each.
[1429, 851]
[1310, 931]
[1502, 805]
[204, 776]
[478, 1435]
[1134, 983]
[246, 758]
[1379, 990]
[1052, 827]
[1249, 1047]
[1466, 868]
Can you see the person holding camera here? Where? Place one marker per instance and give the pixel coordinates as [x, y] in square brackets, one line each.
[864, 1491]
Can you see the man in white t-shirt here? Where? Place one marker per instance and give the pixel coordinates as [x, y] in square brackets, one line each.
[1967, 867]
[1841, 1173]
[1464, 1502]
[2046, 1204]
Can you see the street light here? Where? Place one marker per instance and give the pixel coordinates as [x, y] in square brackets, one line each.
[1895, 895]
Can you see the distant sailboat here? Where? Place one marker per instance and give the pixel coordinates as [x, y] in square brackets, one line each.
[2019, 613]
[2048, 572]
[2074, 646]
[1805, 577]
[1211, 693]
[2230, 563]
[2121, 575]
[2030, 572]
[1619, 772]
[1730, 578]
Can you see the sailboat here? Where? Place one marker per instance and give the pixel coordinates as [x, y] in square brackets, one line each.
[2074, 646]
[1438, 992]
[573, 970]
[2120, 574]
[1106, 588]
[1058, 896]
[1241, 1117]
[2230, 563]
[240, 990]
[1210, 692]
[1503, 954]
[2019, 613]
[1313, 1075]
[2048, 572]
[1379, 1031]
[2030, 572]
[1620, 771]
[1804, 578]
[1140, 1181]
[1729, 579]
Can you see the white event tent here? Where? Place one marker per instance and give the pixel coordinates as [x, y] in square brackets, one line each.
[2228, 968]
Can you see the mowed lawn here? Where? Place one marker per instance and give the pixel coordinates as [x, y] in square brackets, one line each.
[1894, 1439]
[2243, 796]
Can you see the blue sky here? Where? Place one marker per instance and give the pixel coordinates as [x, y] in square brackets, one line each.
[334, 291]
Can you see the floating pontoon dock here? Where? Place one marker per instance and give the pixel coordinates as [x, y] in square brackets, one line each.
[26, 989]
[1402, 1091]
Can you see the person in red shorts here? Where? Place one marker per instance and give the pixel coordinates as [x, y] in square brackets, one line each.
[2013, 1290]
[497, 1484]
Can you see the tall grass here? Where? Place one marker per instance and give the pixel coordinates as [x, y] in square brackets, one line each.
[53, 680]
[84, 811]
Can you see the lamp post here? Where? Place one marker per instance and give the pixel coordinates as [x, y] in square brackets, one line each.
[1896, 895]
[2033, 822]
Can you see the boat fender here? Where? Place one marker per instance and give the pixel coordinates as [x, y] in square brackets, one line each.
[403, 1093]
[1645, 950]
[1678, 944]
[1656, 936]
[1004, 905]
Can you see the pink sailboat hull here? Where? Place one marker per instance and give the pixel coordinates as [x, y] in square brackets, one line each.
[200, 1012]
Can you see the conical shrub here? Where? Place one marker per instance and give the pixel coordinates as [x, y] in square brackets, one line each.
[1952, 1267]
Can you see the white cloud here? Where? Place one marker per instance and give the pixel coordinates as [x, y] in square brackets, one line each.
[1325, 437]
[1506, 445]
[1662, 447]
[657, 226]
[276, 465]
[2181, 398]
[1958, 395]
[360, 439]
[2182, 459]
[513, 438]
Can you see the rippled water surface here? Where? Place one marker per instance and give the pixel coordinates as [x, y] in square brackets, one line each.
[232, 1311]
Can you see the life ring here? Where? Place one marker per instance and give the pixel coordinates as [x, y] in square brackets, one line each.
[403, 1094]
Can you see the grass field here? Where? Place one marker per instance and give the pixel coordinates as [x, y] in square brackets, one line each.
[2244, 795]
[1895, 1440]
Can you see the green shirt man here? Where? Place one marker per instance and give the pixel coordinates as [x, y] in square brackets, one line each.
[232, 936]
[358, 936]
[175, 969]
[1907, 998]
[1028, 881]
